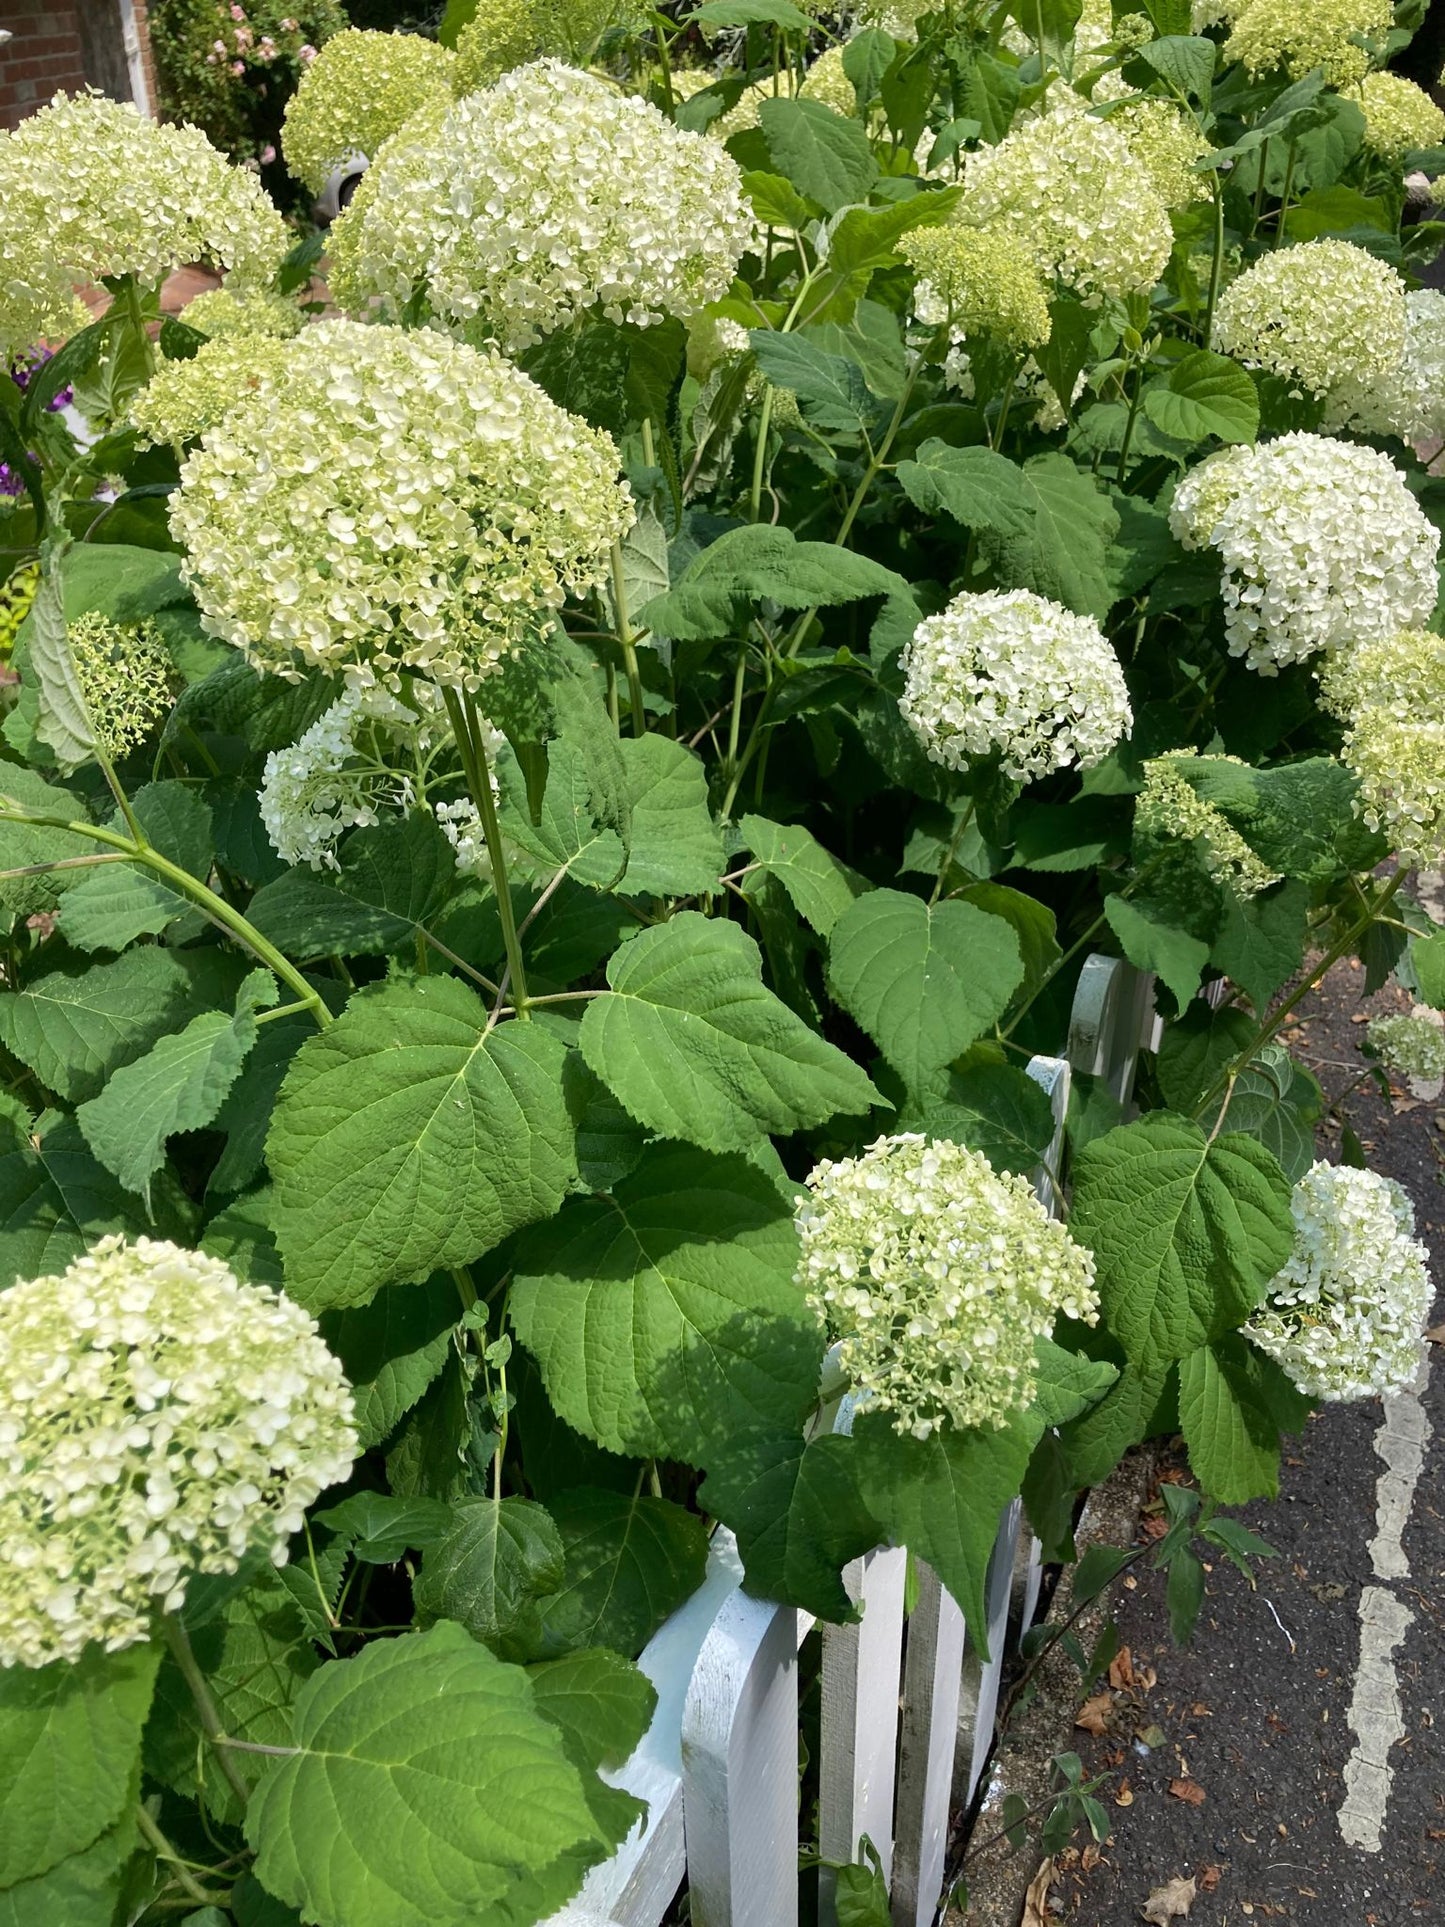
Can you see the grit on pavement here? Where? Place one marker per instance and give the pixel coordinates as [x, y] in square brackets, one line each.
[1235, 1763]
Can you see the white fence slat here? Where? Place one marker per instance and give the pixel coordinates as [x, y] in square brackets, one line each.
[983, 1678]
[1112, 1007]
[740, 1769]
[932, 1679]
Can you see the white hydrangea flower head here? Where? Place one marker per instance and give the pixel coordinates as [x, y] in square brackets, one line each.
[1412, 1043]
[1069, 186]
[1012, 674]
[827, 81]
[218, 312]
[547, 197]
[324, 785]
[936, 1274]
[183, 399]
[1389, 692]
[1409, 399]
[503, 34]
[1321, 314]
[355, 94]
[899, 18]
[1399, 116]
[108, 192]
[1344, 1316]
[38, 301]
[1169, 810]
[1323, 546]
[393, 499]
[1283, 34]
[982, 280]
[1208, 13]
[1165, 142]
[158, 1419]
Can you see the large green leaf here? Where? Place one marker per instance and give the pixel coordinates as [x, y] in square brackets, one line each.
[1261, 940]
[761, 561]
[64, 724]
[70, 1737]
[55, 1202]
[1196, 1049]
[799, 1517]
[831, 386]
[112, 906]
[1232, 1438]
[925, 981]
[394, 879]
[1206, 394]
[992, 1107]
[825, 157]
[81, 1891]
[630, 1561]
[677, 848]
[696, 1047]
[1149, 940]
[569, 834]
[392, 1349]
[427, 1791]
[820, 887]
[1063, 553]
[22, 845]
[491, 1572]
[74, 1027]
[1068, 1384]
[1186, 1232]
[1093, 1444]
[408, 1137]
[976, 486]
[598, 1701]
[664, 1319]
[1279, 1102]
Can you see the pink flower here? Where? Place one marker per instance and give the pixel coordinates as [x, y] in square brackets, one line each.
[290, 26]
[306, 53]
[238, 67]
[220, 46]
[238, 13]
[243, 38]
[268, 154]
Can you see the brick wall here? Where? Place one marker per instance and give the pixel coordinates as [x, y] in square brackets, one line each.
[66, 44]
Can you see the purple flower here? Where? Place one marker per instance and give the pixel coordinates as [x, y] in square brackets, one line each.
[21, 369]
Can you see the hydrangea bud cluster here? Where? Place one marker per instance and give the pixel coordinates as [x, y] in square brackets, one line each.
[1344, 1316]
[1069, 186]
[183, 399]
[1270, 35]
[1411, 1043]
[125, 675]
[264, 314]
[1321, 314]
[936, 1274]
[1012, 674]
[105, 191]
[1409, 399]
[1399, 116]
[1169, 811]
[158, 1419]
[393, 499]
[981, 281]
[1390, 694]
[549, 196]
[1322, 542]
[358, 90]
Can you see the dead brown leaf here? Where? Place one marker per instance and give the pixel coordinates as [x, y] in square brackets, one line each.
[1209, 1880]
[1091, 1857]
[1036, 1900]
[1189, 1790]
[1435, 1334]
[1093, 1715]
[1121, 1668]
[1170, 1902]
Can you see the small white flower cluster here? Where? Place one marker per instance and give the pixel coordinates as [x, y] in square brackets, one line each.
[1011, 673]
[1390, 694]
[158, 1419]
[1269, 35]
[183, 399]
[393, 499]
[1408, 399]
[356, 93]
[1322, 314]
[1412, 1044]
[937, 1274]
[1344, 1316]
[218, 312]
[1169, 810]
[1068, 185]
[1166, 142]
[1323, 545]
[547, 197]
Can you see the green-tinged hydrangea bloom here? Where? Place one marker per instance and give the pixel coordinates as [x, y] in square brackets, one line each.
[125, 674]
[1069, 186]
[105, 191]
[185, 398]
[1166, 142]
[1399, 116]
[1015, 675]
[937, 1274]
[1288, 34]
[1409, 399]
[550, 196]
[1345, 1315]
[826, 81]
[1169, 811]
[218, 312]
[1390, 694]
[1324, 546]
[158, 1419]
[503, 34]
[1411, 1043]
[37, 301]
[393, 499]
[1323, 314]
[356, 93]
[981, 281]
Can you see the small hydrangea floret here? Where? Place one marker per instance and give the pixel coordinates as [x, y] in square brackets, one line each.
[125, 675]
[183, 399]
[1322, 314]
[1170, 811]
[218, 312]
[355, 94]
[936, 1275]
[158, 1419]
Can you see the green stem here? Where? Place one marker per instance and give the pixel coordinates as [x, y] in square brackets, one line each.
[1284, 198]
[666, 65]
[628, 645]
[760, 453]
[163, 1850]
[963, 822]
[1217, 262]
[175, 1637]
[1130, 420]
[876, 461]
[137, 322]
[467, 729]
[1259, 184]
[735, 719]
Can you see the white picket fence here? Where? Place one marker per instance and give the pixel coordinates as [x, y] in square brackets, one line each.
[906, 1725]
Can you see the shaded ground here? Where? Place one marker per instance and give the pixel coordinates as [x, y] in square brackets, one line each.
[1253, 1716]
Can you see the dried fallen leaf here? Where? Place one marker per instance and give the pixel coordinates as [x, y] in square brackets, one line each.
[1091, 1857]
[1036, 1900]
[1189, 1790]
[1151, 1736]
[1435, 1334]
[1209, 1880]
[1171, 1902]
[1121, 1668]
[1093, 1715]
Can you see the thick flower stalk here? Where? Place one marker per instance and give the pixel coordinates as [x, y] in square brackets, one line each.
[1408, 399]
[183, 399]
[1344, 1316]
[393, 499]
[1399, 116]
[1068, 185]
[218, 312]
[1169, 812]
[126, 676]
[1411, 1043]
[1323, 546]
[936, 1274]
[158, 1419]
[1324, 314]
[980, 281]
[356, 93]
[1017, 676]
[548, 197]
[1390, 694]
[1284, 35]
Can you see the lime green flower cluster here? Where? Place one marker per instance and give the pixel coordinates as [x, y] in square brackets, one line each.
[1166, 142]
[158, 1419]
[17, 594]
[219, 312]
[125, 674]
[355, 94]
[503, 34]
[393, 499]
[980, 281]
[936, 1274]
[1399, 115]
[1390, 695]
[1170, 812]
[1411, 1042]
[1267, 35]
[1325, 314]
[185, 398]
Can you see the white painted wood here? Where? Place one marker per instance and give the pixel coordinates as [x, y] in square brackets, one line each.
[997, 1586]
[1112, 1005]
[932, 1679]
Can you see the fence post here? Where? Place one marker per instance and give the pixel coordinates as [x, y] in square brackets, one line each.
[1112, 1007]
